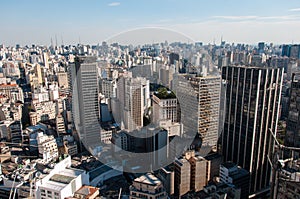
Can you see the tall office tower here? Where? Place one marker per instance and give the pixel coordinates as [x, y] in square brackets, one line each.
[38, 73]
[182, 178]
[295, 51]
[261, 47]
[199, 99]
[85, 105]
[200, 171]
[165, 75]
[133, 99]
[292, 137]
[192, 172]
[286, 49]
[252, 105]
[62, 78]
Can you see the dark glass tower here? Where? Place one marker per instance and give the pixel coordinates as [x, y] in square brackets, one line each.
[292, 137]
[252, 101]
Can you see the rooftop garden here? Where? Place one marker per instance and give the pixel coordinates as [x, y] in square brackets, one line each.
[164, 93]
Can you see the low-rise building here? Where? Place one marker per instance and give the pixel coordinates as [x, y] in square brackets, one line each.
[232, 174]
[71, 148]
[147, 186]
[61, 182]
[5, 153]
[87, 192]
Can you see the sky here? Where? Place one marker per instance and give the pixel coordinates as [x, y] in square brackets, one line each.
[93, 21]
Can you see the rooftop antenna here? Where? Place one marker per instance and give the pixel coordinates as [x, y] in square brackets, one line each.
[79, 40]
[51, 42]
[62, 40]
[221, 39]
[55, 41]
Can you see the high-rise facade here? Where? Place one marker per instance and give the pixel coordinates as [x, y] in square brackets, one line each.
[182, 177]
[62, 78]
[85, 105]
[252, 105]
[133, 101]
[164, 108]
[191, 173]
[292, 137]
[199, 99]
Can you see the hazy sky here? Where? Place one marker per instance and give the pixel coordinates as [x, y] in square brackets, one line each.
[37, 21]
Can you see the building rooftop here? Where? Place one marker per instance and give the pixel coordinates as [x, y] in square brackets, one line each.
[61, 178]
[87, 191]
[165, 94]
[241, 173]
[149, 179]
[229, 165]
[181, 161]
[8, 85]
[213, 156]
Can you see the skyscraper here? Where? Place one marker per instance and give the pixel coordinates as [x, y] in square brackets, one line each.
[253, 97]
[132, 103]
[261, 47]
[292, 137]
[85, 105]
[199, 99]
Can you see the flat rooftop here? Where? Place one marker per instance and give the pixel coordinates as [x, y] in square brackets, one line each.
[62, 178]
[229, 165]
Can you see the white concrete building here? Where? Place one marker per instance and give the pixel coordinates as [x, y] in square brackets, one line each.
[62, 181]
[47, 147]
[108, 87]
[44, 110]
